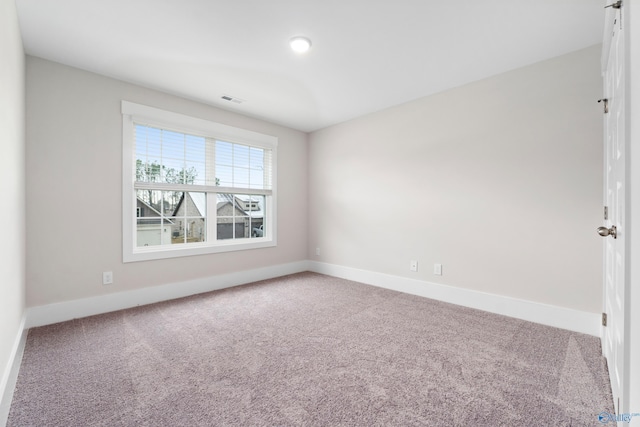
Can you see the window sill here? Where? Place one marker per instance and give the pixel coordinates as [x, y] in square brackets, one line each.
[193, 249]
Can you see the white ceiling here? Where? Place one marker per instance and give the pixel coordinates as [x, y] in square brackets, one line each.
[366, 55]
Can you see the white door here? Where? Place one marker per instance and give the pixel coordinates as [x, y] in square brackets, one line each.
[614, 175]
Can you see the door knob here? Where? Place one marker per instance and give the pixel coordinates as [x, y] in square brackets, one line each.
[604, 231]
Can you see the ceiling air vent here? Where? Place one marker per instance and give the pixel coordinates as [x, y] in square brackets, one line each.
[232, 99]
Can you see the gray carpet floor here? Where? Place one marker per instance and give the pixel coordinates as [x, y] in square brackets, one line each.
[308, 350]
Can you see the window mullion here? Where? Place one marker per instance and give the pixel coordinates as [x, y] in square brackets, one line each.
[212, 217]
[183, 178]
[199, 188]
[212, 196]
[233, 165]
[210, 162]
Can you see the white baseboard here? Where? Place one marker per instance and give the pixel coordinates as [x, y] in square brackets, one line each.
[559, 317]
[68, 310]
[10, 373]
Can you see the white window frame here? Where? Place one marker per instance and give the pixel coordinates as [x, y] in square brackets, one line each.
[136, 113]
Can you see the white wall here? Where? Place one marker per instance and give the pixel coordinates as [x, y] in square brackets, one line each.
[500, 181]
[12, 185]
[74, 201]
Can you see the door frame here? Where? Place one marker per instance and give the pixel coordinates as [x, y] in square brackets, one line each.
[631, 388]
[614, 280]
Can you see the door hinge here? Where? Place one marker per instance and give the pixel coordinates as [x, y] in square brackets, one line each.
[606, 104]
[604, 319]
[606, 213]
[616, 5]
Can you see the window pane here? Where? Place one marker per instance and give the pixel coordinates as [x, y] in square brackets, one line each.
[195, 160]
[148, 144]
[170, 217]
[177, 230]
[194, 173]
[195, 149]
[256, 168]
[196, 230]
[241, 155]
[169, 156]
[224, 153]
[241, 177]
[225, 208]
[256, 179]
[240, 165]
[240, 216]
[188, 230]
[149, 202]
[173, 143]
[189, 218]
[225, 175]
[170, 202]
[256, 212]
[152, 227]
[147, 170]
[256, 158]
[152, 233]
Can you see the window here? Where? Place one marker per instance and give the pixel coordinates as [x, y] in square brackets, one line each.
[193, 187]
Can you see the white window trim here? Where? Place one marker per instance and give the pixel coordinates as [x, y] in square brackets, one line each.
[131, 113]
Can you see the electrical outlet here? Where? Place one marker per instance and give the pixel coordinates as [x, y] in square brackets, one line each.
[437, 269]
[107, 277]
[413, 265]
[317, 251]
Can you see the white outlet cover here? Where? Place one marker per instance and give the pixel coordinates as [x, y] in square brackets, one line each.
[413, 266]
[107, 278]
[437, 269]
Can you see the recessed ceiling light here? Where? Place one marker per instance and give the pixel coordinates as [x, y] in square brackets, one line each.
[300, 44]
